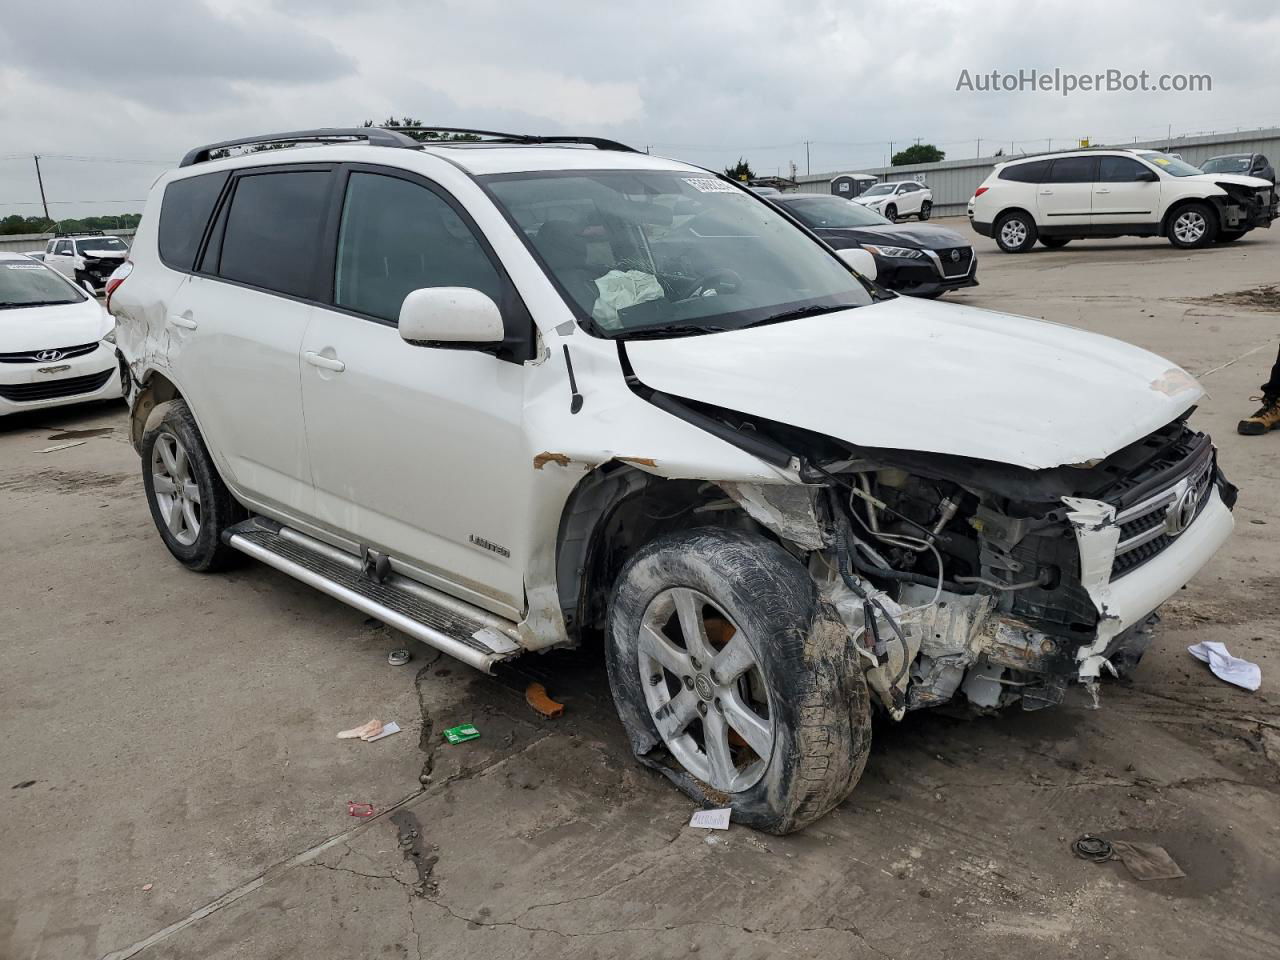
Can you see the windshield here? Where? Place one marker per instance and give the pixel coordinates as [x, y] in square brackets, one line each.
[102, 244]
[659, 253]
[25, 283]
[880, 189]
[1227, 164]
[834, 213]
[1170, 165]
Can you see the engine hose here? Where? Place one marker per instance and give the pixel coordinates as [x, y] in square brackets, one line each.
[843, 557]
[871, 570]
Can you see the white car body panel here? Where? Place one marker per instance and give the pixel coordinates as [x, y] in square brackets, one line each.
[933, 377]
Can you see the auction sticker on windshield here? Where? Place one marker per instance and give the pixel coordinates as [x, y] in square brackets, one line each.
[710, 185]
[24, 266]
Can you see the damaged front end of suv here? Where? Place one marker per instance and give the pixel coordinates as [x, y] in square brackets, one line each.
[994, 584]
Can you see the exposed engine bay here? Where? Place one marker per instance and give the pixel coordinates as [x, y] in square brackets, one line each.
[964, 580]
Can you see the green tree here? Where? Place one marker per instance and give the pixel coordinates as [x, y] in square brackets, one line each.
[426, 136]
[918, 153]
[740, 171]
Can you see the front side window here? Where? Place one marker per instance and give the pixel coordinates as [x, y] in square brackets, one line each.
[1173, 166]
[1120, 170]
[27, 283]
[272, 237]
[833, 213]
[63, 248]
[649, 252]
[395, 237]
[1073, 170]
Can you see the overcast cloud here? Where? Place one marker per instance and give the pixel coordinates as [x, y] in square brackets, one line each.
[148, 79]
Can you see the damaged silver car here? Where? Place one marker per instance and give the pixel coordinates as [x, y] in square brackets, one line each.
[515, 393]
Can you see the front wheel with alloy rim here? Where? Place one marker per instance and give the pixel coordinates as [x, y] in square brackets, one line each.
[891, 213]
[926, 208]
[1016, 232]
[1192, 226]
[721, 654]
[189, 503]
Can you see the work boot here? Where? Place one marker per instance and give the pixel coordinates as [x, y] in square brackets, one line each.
[1267, 417]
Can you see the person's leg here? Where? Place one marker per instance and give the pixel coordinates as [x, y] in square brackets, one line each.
[1268, 415]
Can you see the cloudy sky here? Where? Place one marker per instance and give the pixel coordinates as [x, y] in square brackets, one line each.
[96, 87]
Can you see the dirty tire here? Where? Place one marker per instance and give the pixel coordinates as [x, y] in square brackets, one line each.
[891, 213]
[818, 700]
[1192, 225]
[217, 509]
[1016, 232]
[1055, 243]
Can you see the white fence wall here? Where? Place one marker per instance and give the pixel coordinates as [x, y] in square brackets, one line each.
[953, 181]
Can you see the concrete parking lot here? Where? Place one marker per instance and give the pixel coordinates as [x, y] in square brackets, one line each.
[175, 788]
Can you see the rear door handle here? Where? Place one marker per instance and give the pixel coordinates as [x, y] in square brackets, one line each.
[324, 363]
[183, 320]
[1102, 190]
[1046, 193]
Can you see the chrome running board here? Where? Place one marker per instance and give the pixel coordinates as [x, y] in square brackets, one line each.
[472, 635]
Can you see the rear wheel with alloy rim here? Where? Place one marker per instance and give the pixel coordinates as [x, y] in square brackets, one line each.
[721, 655]
[1193, 225]
[189, 503]
[1016, 232]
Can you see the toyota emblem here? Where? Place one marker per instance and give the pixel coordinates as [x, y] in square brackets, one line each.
[955, 256]
[1182, 511]
[46, 356]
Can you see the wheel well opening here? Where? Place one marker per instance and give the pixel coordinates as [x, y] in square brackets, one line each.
[615, 511]
[1181, 205]
[156, 390]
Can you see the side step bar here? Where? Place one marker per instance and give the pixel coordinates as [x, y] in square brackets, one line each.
[474, 636]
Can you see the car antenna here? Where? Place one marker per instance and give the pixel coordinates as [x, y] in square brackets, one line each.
[575, 398]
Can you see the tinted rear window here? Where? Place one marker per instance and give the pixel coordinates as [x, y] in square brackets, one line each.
[184, 214]
[1032, 172]
[272, 237]
[1073, 170]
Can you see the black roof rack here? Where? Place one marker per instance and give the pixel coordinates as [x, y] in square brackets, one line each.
[376, 136]
[528, 139]
[79, 233]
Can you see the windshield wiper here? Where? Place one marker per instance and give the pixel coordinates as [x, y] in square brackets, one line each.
[668, 330]
[813, 310]
[35, 303]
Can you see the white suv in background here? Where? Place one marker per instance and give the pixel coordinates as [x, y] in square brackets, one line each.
[906, 198]
[1116, 193]
[87, 258]
[519, 393]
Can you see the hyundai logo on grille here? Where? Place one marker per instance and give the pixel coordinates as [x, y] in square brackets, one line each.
[955, 256]
[46, 356]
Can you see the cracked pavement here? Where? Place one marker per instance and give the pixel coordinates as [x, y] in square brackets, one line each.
[180, 733]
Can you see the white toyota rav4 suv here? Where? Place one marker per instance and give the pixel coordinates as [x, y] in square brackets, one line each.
[523, 393]
[1116, 193]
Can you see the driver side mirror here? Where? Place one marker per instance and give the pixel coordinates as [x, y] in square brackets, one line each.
[861, 261]
[458, 315]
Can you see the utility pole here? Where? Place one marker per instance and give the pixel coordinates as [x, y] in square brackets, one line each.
[979, 153]
[40, 180]
[891, 151]
[807, 171]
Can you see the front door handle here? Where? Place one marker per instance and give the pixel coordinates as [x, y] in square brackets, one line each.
[183, 320]
[1102, 190]
[324, 363]
[1046, 193]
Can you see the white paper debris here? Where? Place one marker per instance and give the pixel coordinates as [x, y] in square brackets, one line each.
[1226, 667]
[711, 819]
[63, 446]
[390, 728]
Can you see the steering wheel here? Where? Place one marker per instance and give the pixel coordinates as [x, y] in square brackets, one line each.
[721, 281]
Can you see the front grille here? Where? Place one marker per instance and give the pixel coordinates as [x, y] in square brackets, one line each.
[955, 268]
[52, 389]
[63, 353]
[1151, 526]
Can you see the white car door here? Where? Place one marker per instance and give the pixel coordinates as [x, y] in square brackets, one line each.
[63, 259]
[237, 326]
[909, 199]
[416, 451]
[1126, 192]
[1065, 196]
